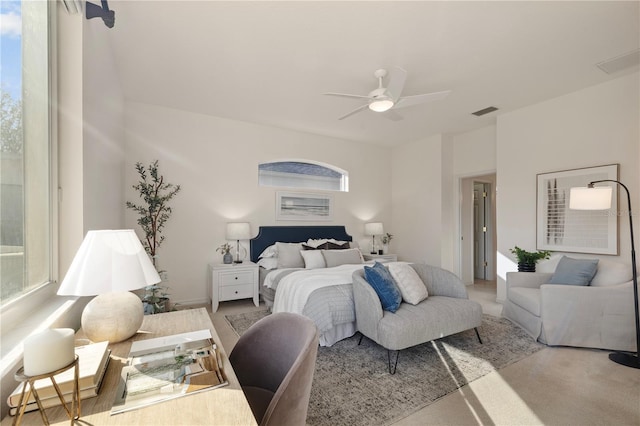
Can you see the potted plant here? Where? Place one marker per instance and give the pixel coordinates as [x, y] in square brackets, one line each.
[386, 239]
[527, 260]
[153, 211]
[225, 249]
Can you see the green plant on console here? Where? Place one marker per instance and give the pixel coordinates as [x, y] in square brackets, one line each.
[527, 260]
[155, 299]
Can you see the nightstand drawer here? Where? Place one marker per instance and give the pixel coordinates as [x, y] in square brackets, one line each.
[236, 292]
[236, 278]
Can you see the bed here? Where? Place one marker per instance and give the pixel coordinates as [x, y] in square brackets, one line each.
[324, 294]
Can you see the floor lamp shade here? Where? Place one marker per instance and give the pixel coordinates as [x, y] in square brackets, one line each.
[110, 263]
[592, 198]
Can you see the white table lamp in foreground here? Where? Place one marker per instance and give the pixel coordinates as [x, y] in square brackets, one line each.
[591, 198]
[109, 264]
[238, 231]
[373, 229]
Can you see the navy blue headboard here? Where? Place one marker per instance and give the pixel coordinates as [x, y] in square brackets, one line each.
[268, 235]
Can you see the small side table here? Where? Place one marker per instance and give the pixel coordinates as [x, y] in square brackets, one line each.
[29, 382]
[381, 257]
[233, 281]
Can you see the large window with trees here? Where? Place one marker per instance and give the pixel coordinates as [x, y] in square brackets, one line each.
[25, 148]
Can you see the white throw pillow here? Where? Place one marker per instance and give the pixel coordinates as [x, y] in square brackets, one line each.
[342, 257]
[313, 259]
[270, 251]
[411, 286]
[289, 255]
[268, 263]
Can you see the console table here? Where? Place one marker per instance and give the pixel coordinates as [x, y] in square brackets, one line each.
[223, 406]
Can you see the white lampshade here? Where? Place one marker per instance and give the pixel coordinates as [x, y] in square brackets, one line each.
[108, 264]
[373, 228]
[381, 105]
[109, 261]
[238, 231]
[583, 198]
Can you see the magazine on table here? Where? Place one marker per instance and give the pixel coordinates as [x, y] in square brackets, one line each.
[169, 367]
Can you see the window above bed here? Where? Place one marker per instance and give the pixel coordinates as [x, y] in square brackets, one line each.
[303, 174]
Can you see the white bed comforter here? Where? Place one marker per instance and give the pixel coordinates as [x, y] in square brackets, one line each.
[295, 288]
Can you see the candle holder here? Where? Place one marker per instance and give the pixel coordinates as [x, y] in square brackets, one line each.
[29, 381]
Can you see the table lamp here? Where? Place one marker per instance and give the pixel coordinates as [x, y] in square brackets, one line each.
[238, 231]
[373, 229]
[109, 264]
[592, 198]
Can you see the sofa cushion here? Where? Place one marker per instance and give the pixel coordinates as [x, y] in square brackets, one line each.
[527, 298]
[611, 273]
[382, 282]
[574, 271]
[411, 286]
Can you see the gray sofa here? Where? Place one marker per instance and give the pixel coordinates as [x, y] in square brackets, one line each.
[600, 315]
[446, 311]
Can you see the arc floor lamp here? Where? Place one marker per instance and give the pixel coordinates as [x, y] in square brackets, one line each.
[592, 198]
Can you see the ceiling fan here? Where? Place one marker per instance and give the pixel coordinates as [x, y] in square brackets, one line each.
[385, 99]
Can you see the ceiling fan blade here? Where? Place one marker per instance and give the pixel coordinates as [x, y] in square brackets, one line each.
[360, 108]
[396, 83]
[392, 115]
[346, 95]
[408, 101]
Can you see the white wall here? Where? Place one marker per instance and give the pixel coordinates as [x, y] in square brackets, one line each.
[215, 161]
[595, 126]
[103, 132]
[417, 201]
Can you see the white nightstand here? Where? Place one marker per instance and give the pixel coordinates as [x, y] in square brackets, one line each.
[233, 281]
[381, 257]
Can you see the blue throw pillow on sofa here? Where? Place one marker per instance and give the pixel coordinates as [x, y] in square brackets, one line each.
[574, 271]
[385, 286]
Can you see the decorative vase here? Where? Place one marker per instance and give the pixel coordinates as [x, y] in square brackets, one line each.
[385, 248]
[526, 267]
[227, 258]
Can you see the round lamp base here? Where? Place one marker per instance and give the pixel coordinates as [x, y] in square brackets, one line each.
[112, 316]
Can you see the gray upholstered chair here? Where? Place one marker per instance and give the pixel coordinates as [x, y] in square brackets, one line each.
[446, 311]
[274, 361]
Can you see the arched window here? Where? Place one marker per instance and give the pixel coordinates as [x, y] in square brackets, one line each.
[303, 174]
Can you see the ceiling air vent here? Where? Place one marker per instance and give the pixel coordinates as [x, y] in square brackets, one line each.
[484, 111]
[619, 63]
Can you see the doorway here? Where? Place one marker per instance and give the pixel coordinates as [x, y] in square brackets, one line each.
[478, 228]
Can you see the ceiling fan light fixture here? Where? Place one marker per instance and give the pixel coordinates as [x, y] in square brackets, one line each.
[381, 105]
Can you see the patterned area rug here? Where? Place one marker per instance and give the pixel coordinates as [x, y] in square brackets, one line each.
[352, 385]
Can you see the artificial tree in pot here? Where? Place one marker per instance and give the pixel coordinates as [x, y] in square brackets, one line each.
[527, 260]
[153, 211]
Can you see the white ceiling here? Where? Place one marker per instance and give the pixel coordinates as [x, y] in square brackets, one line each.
[269, 62]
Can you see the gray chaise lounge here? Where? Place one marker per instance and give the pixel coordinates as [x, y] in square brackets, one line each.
[446, 311]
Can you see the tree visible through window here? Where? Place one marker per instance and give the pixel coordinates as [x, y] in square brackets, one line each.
[25, 207]
[303, 174]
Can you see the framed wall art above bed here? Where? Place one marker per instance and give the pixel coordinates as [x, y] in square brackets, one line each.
[303, 206]
[580, 231]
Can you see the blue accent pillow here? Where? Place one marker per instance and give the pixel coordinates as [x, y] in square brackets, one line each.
[385, 286]
[574, 271]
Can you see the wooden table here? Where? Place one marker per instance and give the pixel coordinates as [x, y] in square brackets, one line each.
[223, 406]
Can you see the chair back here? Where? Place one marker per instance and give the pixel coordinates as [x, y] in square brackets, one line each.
[274, 361]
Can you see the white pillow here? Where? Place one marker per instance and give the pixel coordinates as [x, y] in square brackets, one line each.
[342, 257]
[315, 243]
[313, 259]
[289, 255]
[411, 286]
[270, 251]
[268, 263]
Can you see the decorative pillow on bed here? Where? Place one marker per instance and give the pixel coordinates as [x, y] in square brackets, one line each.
[313, 259]
[289, 255]
[342, 257]
[268, 263]
[382, 282]
[574, 271]
[325, 245]
[409, 282]
[270, 251]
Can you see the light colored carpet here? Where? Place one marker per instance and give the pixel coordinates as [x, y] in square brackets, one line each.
[352, 385]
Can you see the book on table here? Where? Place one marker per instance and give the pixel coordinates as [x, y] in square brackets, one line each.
[93, 360]
[169, 367]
